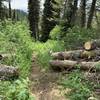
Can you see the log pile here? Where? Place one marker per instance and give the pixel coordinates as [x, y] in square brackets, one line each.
[86, 59]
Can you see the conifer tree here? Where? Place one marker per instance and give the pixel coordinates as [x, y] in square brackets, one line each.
[33, 10]
[48, 21]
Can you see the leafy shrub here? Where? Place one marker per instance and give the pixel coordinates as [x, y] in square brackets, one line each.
[56, 33]
[17, 90]
[76, 36]
[15, 39]
[80, 88]
[43, 51]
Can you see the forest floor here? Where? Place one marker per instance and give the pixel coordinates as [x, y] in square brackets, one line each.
[44, 84]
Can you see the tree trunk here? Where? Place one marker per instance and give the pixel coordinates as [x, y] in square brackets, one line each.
[74, 12]
[68, 64]
[92, 9]
[8, 72]
[10, 12]
[83, 13]
[91, 45]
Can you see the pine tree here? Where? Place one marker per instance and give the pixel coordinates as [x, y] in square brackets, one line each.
[34, 7]
[48, 21]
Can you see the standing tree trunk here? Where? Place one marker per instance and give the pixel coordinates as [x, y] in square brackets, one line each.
[64, 9]
[1, 10]
[83, 13]
[92, 9]
[33, 7]
[10, 12]
[74, 12]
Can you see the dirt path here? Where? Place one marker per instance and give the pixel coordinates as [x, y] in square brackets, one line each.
[44, 84]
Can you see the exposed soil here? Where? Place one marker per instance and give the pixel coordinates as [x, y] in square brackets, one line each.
[44, 84]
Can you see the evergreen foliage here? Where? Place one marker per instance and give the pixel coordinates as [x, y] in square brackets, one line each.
[33, 10]
[48, 21]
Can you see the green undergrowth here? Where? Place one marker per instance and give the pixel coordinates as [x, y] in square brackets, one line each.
[15, 40]
[44, 50]
[81, 89]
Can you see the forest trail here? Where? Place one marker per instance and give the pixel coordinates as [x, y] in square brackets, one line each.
[44, 84]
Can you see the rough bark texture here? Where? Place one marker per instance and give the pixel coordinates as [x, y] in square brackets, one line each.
[67, 55]
[76, 55]
[91, 45]
[92, 9]
[74, 12]
[83, 13]
[68, 64]
[8, 72]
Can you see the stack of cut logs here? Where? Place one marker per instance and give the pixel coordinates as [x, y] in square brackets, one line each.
[7, 72]
[86, 59]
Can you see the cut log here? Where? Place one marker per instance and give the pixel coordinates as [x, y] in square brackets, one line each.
[91, 45]
[76, 54]
[8, 72]
[68, 64]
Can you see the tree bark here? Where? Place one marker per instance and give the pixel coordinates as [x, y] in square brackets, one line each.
[8, 72]
[74, 12]
[68, 64]
[77, 55]
[10, 12]
[92, 9]
[83, 13]
[67, 55]
[91, 45]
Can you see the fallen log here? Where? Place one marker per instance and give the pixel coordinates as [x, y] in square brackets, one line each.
[67, 54]
[76, 54]
[68, 64]
[8, 72]
[91, 45]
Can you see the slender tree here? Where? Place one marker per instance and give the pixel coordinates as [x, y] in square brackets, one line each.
[83, 13]
[1, 10]
[14, 15]
[74, 12]
[10, 12]
[33, 8]
[91, 13]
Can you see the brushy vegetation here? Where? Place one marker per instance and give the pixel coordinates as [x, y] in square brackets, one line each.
[15, 40]
[73, 37]
[81, 89]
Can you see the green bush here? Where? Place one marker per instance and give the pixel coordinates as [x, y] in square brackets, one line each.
[42, 50]
[80, 88]
[56, 33]
[76, 37]
[15, 40]
[17, 90]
